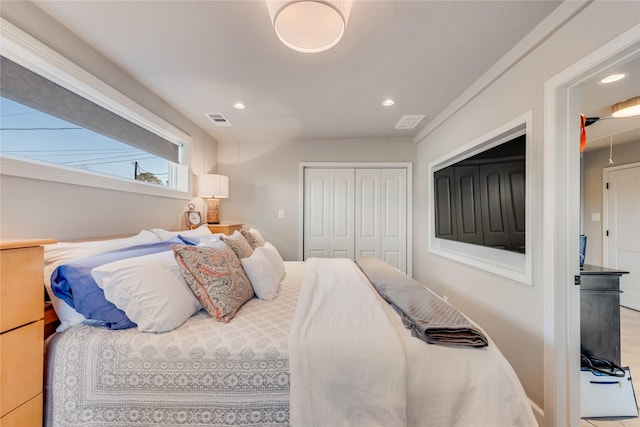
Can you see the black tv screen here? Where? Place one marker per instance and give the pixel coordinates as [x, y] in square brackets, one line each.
[481, 199]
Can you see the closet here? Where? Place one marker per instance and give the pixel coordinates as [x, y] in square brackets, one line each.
[351, 212]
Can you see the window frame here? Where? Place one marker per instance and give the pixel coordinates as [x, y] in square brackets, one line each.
[28, 52]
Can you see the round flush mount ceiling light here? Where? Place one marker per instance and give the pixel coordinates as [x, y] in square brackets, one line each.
[612, 78]
[309, 26]
[388, 102]
[239, 106]
[626, 108]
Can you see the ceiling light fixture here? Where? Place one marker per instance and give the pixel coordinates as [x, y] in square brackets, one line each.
[627, 108]
[239, 106]
[612, 78]
[309, 26]
[388, 102]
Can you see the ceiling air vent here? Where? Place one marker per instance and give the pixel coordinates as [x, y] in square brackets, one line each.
[218, 119]
[409, 121]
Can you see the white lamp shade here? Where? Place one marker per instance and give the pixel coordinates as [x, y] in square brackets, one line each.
[309, 25]
[213, 186]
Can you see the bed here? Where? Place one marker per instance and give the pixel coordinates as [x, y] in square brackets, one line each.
[328, 348]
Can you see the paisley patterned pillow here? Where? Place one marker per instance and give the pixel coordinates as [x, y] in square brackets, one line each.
[239, 244]
[215, 277]
[254, 237]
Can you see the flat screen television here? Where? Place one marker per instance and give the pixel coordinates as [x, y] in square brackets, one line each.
[480, 200]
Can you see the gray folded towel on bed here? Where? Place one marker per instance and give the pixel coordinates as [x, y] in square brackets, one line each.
[427, 316]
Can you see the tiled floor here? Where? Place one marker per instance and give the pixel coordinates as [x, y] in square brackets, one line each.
[630, 355]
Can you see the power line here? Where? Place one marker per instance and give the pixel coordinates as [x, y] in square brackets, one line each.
[103, 163]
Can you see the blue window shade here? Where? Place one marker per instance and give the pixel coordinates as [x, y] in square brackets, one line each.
[26, 87]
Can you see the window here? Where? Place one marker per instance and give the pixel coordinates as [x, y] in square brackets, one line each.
[60, 123]
[31, 134]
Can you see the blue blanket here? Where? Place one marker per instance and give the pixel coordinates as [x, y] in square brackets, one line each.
[74, 284]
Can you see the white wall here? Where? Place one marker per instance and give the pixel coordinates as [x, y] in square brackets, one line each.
[31, 208]
[511, 312]
[593, 163]
[262, 184]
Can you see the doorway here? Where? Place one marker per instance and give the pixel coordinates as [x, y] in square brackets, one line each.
[561, 229]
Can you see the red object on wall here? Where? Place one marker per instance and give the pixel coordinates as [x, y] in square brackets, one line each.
[583, 132]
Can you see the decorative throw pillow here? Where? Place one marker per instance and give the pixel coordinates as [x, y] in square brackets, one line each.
[239, 244]
[215, 277]
[254, 237]
[264, 279]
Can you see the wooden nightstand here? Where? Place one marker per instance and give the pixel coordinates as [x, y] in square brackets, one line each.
[21, 332]
[226, 228]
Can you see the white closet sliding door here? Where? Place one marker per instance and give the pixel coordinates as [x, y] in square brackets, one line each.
[353, 212]
[328, 213]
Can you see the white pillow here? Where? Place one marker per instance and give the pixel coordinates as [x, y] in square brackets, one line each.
[149, 289]
[63, 252]
[275, 258]
[263, 277]
[163, 235]
[210, 241]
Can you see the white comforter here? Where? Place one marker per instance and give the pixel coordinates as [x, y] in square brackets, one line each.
[353, 363]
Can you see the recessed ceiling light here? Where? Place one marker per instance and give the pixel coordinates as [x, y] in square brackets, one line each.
[388, 102]
[239, 106]
[612, 78]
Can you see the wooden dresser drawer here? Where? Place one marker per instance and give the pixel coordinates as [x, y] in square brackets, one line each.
[21, 366]
[21, 286]
[27, 415]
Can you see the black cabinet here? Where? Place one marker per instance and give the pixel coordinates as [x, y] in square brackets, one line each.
[482, 203]
[600, 312]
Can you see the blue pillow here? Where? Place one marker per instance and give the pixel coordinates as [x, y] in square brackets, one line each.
[191, 241]
[74, 284]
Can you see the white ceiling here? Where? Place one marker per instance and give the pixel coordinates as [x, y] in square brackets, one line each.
[597, 100]
[203, 56]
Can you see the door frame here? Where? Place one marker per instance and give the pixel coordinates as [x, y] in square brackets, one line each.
[346, 165]
[561, 183]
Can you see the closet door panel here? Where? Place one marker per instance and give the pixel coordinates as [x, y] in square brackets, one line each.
[341, 208]
[393, 217]
[317, 235]
[367, 219]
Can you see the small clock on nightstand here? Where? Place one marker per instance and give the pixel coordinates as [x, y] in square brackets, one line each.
[193, 217]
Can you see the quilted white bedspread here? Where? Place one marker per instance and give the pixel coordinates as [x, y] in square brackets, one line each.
[348, 366]
[238, 373]
[353, 363]
[202, 373]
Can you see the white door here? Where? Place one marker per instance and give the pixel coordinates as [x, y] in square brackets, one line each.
[354, 212]
[622, 250]
[316, 213]
[393, 217]
[341, 203]
[367, 220]
[328, 213]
